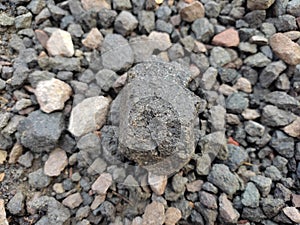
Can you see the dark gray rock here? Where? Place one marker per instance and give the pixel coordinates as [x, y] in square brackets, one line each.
[146, 21]
[280, 163]
[208, 200]
[56, 213]
[283, 82]
[75, 30]
[212, 9]
[283, 144]
[108, 210]
[203, 29]
[209, 187]
[279, 7]
[273, 173]
[255, 18]
[293, 8]
[107, 17]
[38, 76]
[197, 218]
[263, 184]
[253, 214]
[251, 196]
[125, 23]
[209, 215]
[40, 132]
[157, 114]
[117, 54]
[257, 60]
[216, 118]
[90, 149]
[272, 206]
[105, 79]
[250, 74]
[60, 63]
[282, 192]
[201, 61]
[228, 75]
[219, 57]
[286, 23]
[237, 102]
[221, 176]
[282, 100]
[184, 206]
[270, 73]
[274, 117]
[16, 204]
[38, 179]
[254, 129]
[109, 143]
[6, 20]
[236, 157]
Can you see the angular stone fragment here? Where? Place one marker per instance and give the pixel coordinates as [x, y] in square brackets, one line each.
[293, 129]
[89, 115]
[125, 23]
[73, 201]
[271, 72]
[285, 48]
[259, 4]
[102, 183]
[3, 219]
[40, 131]
[157, 127]
[173, 215]
[60, 43]
[93, 40]
[228, 214]
[227, 38]
[157, 183]
[161, 40]
[56, 163]
[52, 94]
[6, 20]
[192, 11]
[95, 5]
[292, 213]
[154, 214]
[274, 117]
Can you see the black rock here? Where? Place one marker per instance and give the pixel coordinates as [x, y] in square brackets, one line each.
[40, 131]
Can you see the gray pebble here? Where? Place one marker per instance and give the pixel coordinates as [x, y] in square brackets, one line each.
[146, 21]
[274, 117]
[236, 157]
[105, 79]
[293, 8]
[178, 183]
[38, 179]
[272, 206]
[26, 159]
[254, 129]
[251, 196]
[203, 29]
[219, 57]
[23, 21]
[16, 204]
[271, 72]
[125, 23]
[107, 17]
[175, 52]
[257, 60]
[273, 173]
[286, 23]
[121, 4]
[263, 184]
[253, 214]
[237, 102]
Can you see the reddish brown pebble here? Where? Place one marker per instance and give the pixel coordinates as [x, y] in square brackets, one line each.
[192, 11]
[227, 38]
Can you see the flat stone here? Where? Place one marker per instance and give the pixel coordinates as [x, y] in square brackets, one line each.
[285, 48]
[73, 201]
[271, 72]
[273, 116]
[194, 186]
[103, 182]
[154, 214]
[157, 183]
[192, 11]
[60, 43]
[293, 8]
[52, 94]
[237, 102]
[263, 184]
[125, 23]
[37, 179]
[292, 213]
[283, 100]
[16, 204]
[293, 35]
[293, 129]
[243, 84]
[45, 130]
[250, 197]
[117, 54]
[56, 163]
[228, 214]
[160, 40]
[15, 153]
[95, 5]
[257, 60]
[3, 219]
[93, 40]
[227, 38]
[89, 115]
[173, 215]
[259, 4]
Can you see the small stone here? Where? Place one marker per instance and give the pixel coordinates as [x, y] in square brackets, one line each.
[178, 183]
[58, 188]
[293, 129]
[73, 201]
[247, 47]
[270, 73]
[52, 94]
[272, 116]
[273, 173]
[199, 47]
[60, 43]
[292, 213]
[157, 183]
[296, 200]
[283, 144]
[259, 4]
[3, 219]
[36, 6]
[250, 114]
[194, 186]
[237, 102]
[263, 184]
[15, 153]
[38, 179]
[98, 167]
[285, 48]
[56, 163]
[285, 23]
[173, 215]
[3, 156]
[16, 204]
[6, 20]
[89, 115]
[254, 129]
[26, 159]
[154, 214]
[293, 8]
[236, 157]
[137, 221]
[146, 21]
[164, 40]
[228, 214]
[125, 23]
[121, 5]
[220, 173]
[93, 40]
[250, 197]
[272, 206]
[226, 90]
[45, 130]
[257, 60]
[117, 54]
[95, 5]
[97, 201]
[259, 40]
[282, 100]
[293, 35]
[219, 57]
[227, 38]
[192, 11]
[102, 183]
[203, 29]
[243, 84]
[23, 21]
